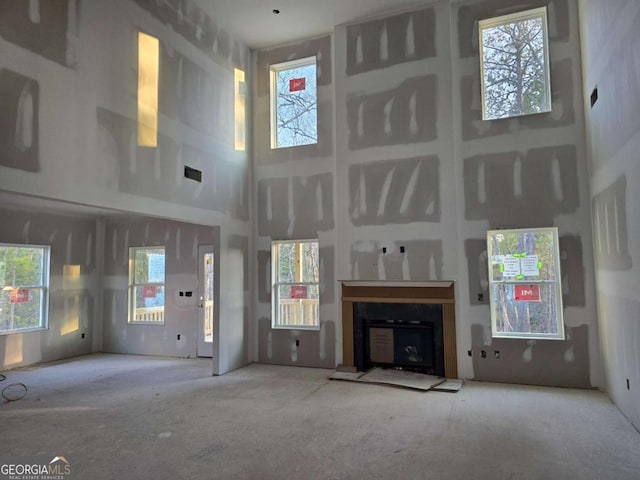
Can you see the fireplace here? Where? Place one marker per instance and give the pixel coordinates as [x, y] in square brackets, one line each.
[400, 324]
[398, 335]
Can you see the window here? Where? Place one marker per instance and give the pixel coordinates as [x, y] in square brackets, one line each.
[148, 73]
[295, 292]
[24, 287]
[514, 59]
[294, 113]
[146, 285]
[525, 284]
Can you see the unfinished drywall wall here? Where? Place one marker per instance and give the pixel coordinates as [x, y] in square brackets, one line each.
[84, 119]
[49, 29]
[395, 191]
[19, 134]
[181, 243]
[73, 285]
[395, 175]
[295, 199]
[524, 172]
[417, 167]
[611, 70]
[68, 99]
[532, 185]
[391, 40]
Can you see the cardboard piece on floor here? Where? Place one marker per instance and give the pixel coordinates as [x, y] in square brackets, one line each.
[401, 378]
[450, 385]
[350, 376]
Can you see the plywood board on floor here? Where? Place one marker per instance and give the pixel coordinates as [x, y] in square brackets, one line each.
[450, 385]
[401, 378]
[349, 376]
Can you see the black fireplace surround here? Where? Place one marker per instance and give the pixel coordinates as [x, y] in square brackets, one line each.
[404, 335]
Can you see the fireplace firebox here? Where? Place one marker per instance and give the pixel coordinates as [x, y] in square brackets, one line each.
[406, 336]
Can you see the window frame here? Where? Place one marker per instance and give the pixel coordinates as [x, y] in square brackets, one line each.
[273, 96]
[557, 284]
[43, 288]
[275, 288]
[131, 301]
[539, 12]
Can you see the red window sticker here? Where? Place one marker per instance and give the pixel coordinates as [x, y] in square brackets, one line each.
[149, 291]
[19, 295]
[297, 84]
[527, 293]
[298, 291]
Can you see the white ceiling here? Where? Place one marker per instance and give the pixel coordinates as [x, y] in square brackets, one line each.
[253, 23]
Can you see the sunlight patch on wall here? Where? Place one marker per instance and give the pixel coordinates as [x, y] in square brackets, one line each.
[148, 67]
[240, 93]
[70, 277]
[71, 322]
[13, 350]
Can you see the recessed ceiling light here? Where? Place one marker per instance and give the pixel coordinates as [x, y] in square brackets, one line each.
[275, 11]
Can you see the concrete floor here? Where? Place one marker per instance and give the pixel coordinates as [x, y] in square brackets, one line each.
[133, 417]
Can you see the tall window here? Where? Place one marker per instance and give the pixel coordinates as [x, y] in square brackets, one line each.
[24, 287]
[296, 289]
[514, 57]
[148, 74]
[525, 283]
[146, 285]
[294, 113]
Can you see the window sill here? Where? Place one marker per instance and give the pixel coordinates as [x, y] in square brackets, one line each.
[23, 330]
[311, 328]
[528, 337]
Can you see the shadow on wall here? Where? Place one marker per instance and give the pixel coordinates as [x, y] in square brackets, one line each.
[47, 28]
[188, 93]
[554, 363]
[190, 21]
[158, 173]
[609, 212]
[19, 109]
[313, 348]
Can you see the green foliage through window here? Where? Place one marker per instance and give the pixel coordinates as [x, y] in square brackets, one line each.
[24, 282]
[146, 285]
[524, 281]
[296, 284]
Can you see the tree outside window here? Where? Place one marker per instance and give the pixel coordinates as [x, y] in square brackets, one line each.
[515, 65]
[296, 284]
[525, 283]
[24, 279]
[294, 112]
